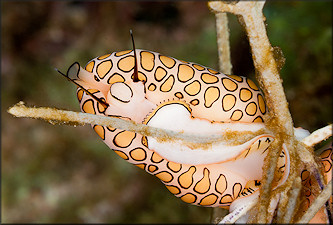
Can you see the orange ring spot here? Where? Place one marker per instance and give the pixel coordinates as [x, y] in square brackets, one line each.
[189, 198]
[167, 61]
[90, 66]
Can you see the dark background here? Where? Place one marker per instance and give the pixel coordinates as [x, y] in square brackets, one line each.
[53, 173]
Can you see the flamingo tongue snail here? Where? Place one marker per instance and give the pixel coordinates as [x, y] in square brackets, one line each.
[160, 91]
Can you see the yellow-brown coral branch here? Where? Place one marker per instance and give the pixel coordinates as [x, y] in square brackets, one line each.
[223, 44]
[292, 201]
[317, 204]
[69, 117]
[225, 66]
[318, 136]
[280, 121]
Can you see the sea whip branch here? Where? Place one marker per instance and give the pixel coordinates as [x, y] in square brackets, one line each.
[280, 121]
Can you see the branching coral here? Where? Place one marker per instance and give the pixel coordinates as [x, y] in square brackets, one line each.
[279, 119]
